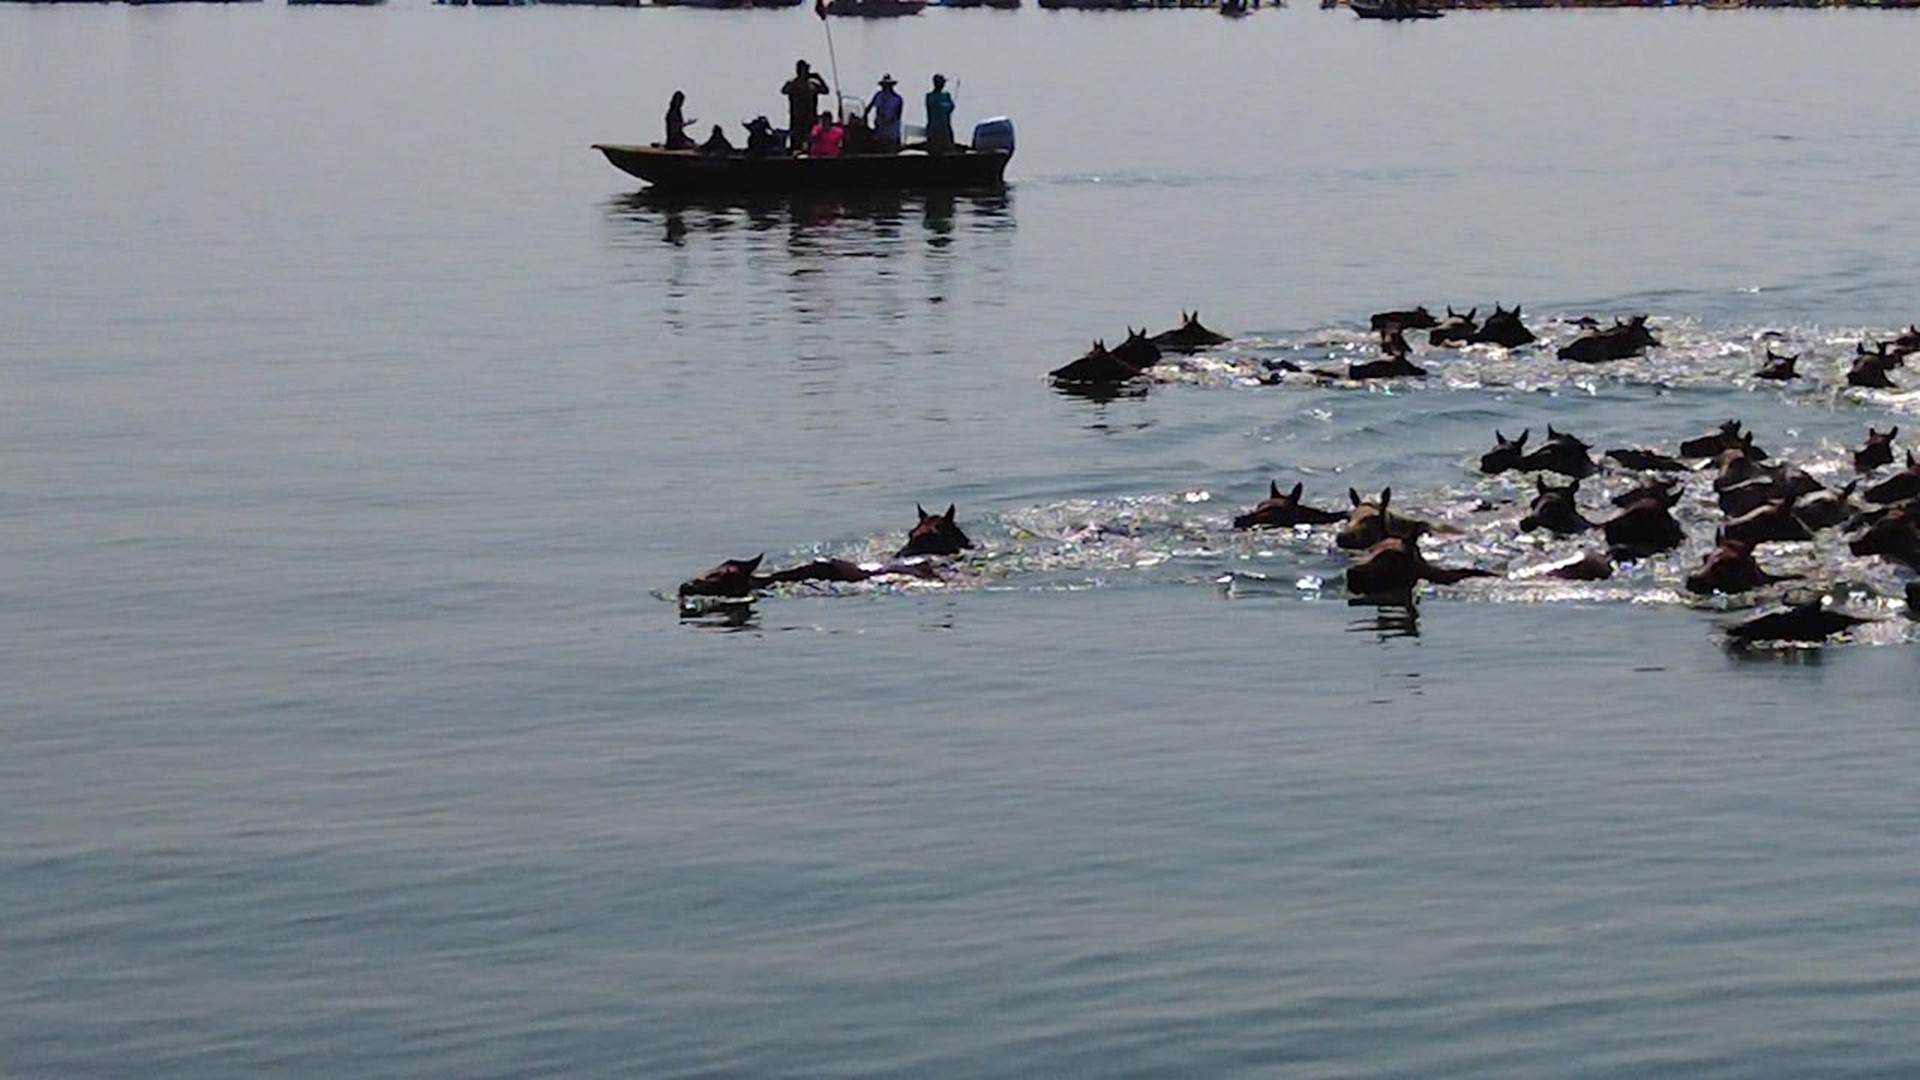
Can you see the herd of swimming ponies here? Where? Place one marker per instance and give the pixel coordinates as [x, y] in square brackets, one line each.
[1760, 501]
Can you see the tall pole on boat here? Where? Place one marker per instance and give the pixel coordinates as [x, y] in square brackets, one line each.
[833, 62]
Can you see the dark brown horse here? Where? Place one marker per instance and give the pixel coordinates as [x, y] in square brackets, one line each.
[737, 579]
[1810, 622]
[1138, 351]
[1778, 368]
[1554, 509]
[1278, 511]
[1646, 460]
[1896, 536]
[1616, 342]
[934, 534]
[1189, 336]
[1771, 520]
[1098, 366]
[1371, 522]
[1872, 368]
[1666, 489]
[1506, 455]
[1418, 318]
[1728, 437]
[1899, 487]
[1504, 328]
[1645, 527]
[1454, 330]
[1731, 569]
[1562, 453]
[1395, 565]
[1877, 452]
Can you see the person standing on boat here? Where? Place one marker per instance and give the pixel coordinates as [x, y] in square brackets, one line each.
[887, 110]
[677, 123]
[803, 103]
[939, 116]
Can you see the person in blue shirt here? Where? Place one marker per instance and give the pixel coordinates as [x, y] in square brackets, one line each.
[887, 110]
[939, 116]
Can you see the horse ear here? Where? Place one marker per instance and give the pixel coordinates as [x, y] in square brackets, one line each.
[1450, 312]
[1472, 311]
[1273, 490]
[1386, 496]
[1522, 440]
[1294, 495]
[754, 563]
[1499, 439]
[1552, 434]
[922, 511]
[949, 514]
[1516, 311]
[1892, 431]
[1353, 497]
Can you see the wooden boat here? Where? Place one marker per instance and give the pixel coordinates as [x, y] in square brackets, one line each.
[876, 9]
[692, 172]
[1393, 9]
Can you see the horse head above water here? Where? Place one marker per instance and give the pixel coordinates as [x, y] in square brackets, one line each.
[934, 534]
[1455, 329]
[1138, 351]
[733, 578]
[1278, 511]
[1417, 318]
[1555, 510]
[1504, 328]
[1370, 522]
[1616, 342]
[1098, 366]
[1506, 455]
[1877, 452]
[1189, 336]
[1730, 568]
[1778, 368]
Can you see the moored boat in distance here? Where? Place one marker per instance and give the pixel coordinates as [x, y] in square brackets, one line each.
[875, 9]
[1393, 10]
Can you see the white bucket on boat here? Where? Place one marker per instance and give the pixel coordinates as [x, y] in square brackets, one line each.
[994, 133]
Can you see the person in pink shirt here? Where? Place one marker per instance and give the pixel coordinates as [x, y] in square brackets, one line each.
[827, 137]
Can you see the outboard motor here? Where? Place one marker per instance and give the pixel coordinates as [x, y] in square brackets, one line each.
[994, 133]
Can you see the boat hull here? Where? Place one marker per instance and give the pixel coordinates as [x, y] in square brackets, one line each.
[1394, 12]
[691, 172]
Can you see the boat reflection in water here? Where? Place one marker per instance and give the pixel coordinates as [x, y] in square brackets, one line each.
[826, 217]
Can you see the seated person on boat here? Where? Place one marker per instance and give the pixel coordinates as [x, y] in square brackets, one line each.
[827, 137]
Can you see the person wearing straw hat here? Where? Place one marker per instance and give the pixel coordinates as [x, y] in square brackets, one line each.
[887, 110]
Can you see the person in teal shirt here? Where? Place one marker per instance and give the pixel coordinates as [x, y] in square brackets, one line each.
[939, 116]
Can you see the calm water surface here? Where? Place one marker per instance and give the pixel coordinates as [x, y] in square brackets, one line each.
[356, 416]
